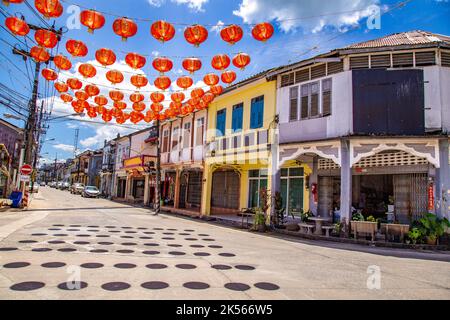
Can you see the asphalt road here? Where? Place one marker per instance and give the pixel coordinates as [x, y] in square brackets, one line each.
[68, 247]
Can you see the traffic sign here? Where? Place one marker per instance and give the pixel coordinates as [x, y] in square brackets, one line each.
[24, 178]
[26, 169]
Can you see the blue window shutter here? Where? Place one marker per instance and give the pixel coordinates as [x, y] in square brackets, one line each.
[257, 113]
[221, 122]
[236, 124]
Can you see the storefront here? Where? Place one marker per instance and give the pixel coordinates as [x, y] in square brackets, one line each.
[140, 172]
[168, 186]
[190, 189]
[225, 194]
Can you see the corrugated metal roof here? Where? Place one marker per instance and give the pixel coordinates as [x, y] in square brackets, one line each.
[415, 37]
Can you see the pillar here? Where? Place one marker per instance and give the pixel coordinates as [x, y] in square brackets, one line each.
[146, 190]
[176, 196]
[206, 190]
[274, 170]
[346, 182]
[442, 204]
[313, 178]
[128, 187]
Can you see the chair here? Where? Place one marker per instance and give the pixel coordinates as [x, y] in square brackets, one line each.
[246, 212]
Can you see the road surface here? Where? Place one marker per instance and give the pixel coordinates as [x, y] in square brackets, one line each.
[68, 247]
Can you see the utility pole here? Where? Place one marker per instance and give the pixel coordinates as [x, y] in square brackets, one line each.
[56, 159]
[158, 171]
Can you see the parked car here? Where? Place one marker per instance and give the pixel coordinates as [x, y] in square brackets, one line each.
[35, 188]
[52, 184]
[77, 188]
[65, 186]
[42, 184]
[59, 185]
[90, 192]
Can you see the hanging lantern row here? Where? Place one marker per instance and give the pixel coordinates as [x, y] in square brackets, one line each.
[161, 30]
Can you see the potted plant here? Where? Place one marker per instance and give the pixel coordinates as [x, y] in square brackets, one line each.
[337, 229]
[259, 221]
[415, 235]
[432, 227]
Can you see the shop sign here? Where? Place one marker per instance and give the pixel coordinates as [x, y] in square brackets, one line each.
[430, 197]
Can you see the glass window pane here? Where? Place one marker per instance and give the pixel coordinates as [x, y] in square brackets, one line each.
[296, 193]
[262, 186]
[253, 193]
[263, 172]
[296, 172]
[283, 191]
[284, 172]
[253, 173]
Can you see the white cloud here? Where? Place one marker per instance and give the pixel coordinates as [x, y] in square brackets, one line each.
[194, 5]
[217, 27]
[64, 147]
[156, 3]
[309, 15]
[102, 133]
[155, 53]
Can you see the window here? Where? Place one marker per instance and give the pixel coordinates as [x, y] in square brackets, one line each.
[292, 186]
[220, 122]
[236, 119]
[314, 99]
[165, 141]
[326, 97]
[293, 104]
[200, 131]
[175, 137]
[187, 135]
[257, 182]
[257, 113]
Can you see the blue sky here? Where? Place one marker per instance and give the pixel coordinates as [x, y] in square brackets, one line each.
[299, 26]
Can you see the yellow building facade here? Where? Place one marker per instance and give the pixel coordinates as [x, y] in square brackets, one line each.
[240, 146]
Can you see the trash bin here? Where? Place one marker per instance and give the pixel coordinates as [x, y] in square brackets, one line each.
[16, 198]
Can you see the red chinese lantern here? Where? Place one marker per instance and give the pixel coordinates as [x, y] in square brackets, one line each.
[46, 38]
[61, 87]
[92, 113]
[114, 76]
[137, 97]
[79, 105]
[231, 34]
[196, 34]
[174, 105]
[262, 31]
[162, 64]
[101, 100]
[125, 28]
[177, 97]
[105, 57]
[116, 95]
[87, 70]
[81, 95]
[49, 74]
[157, 97]
[228, 76]
[197, 93]
[121, 105]
[188, 109]
[7, 2]
[162, 31]
[192, 64]
[74, 84]
[157, 107]
[241, 60]
[39, 54]
[211, 79]
[184, 82]
[208, 98]
[92, 19]
[120, 120]
[107, 116]
[202, 104]
[76, 48]
[162, 82]
[193, 102]
[62, 62]
[92, 90]
[49, 8]
[139, 81]
[17, 26]
[66, 97]
[216, 90]
[220, 62]
[139, 106]
[135, 60]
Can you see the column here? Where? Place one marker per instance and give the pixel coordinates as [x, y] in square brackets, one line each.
[313, 178]
[346, 182]
[442, 204]
[176, 196]
[146, 189]
[128, 187]
[274, 170]
[206, 191]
